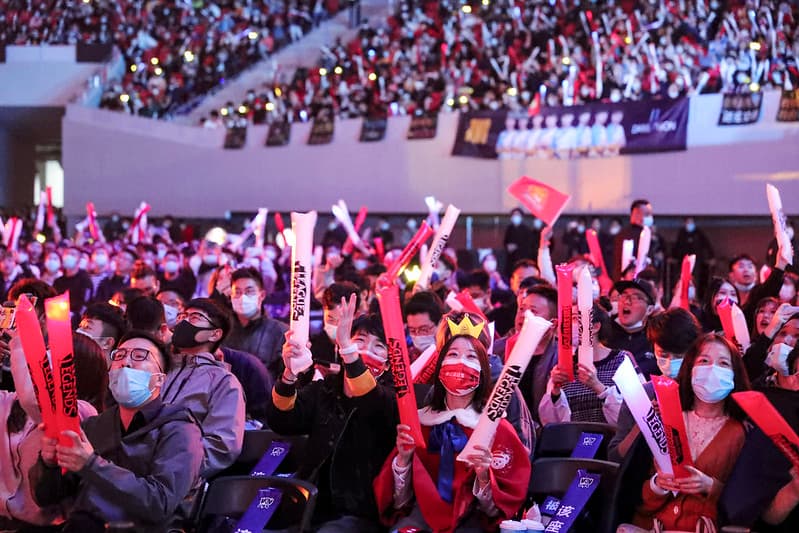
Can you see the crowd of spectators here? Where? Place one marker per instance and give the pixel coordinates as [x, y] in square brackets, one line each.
[432, 56]
[178, 357]
[428, 56]
[175, 52]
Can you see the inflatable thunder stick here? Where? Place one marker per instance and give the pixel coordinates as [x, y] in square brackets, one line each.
[409, 252]
[59, 329]
[688, 263]
[530, 336]
[648, 420]
[668, 395]
[627, 247]
[359, 220]
[302, 225]
[388, 298]
[771, 422]
[439, 243]
[778, 218]
[605, 282]
[733, 322]
[585, 312]
[424, 366]
[644, 242]
[565, 353]
[30, 335]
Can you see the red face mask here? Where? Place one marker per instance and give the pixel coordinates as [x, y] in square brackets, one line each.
[373, 362]
[460, 377]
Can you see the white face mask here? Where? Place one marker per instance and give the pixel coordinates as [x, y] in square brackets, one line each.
[490, 266]
[331, 330]
[246, 306]
[171, 267]
[52, 265]
[516, 220]
[649, 221]
[480, 303]
[171, 315]
[422, 342]
[777, 358]
[614, 308]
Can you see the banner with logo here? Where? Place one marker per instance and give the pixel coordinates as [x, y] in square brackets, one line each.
[373, 129]
[236, 137]
[321, 131]
[789, 106]
[591, 130]
[423, 127]
[279, 133]
[738, 109]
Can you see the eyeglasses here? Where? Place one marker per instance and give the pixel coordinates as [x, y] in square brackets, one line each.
[195, 318]
[422, 330]
[135, 354]
[633, 297]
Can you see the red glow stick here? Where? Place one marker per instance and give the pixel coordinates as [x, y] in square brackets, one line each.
[388, 298]
[50, 213]
[280, 226]
[605, 283]
[30, 335]
[685, 282]
[92, 214]
[724, 309]
[668, 395]
[410, 251]
[359, 220]
[565, 354]
[59, 330]
[771, 422]
[381, 250]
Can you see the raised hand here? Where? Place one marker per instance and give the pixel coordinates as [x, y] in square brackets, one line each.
[405, 445]
[345, 318]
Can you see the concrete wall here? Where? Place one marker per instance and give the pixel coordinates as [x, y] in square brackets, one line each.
[117, 161]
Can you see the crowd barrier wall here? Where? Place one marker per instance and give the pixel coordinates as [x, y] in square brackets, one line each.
[117, 160]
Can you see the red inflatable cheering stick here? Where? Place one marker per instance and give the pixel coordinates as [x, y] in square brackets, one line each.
[388, 297]
[66, 391]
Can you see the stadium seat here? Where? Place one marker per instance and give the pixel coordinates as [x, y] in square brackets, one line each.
[229, 497]
[256, 442]
[558, 440]
[552, 476]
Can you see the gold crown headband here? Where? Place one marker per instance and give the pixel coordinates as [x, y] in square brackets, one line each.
[465, 327]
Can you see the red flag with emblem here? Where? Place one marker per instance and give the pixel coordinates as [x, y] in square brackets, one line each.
[540, 199]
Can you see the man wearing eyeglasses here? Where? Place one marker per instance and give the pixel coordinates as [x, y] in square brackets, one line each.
[136, 461]
[205, 385]
[628, 331]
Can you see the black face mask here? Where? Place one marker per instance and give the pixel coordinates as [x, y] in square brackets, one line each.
[185, 335]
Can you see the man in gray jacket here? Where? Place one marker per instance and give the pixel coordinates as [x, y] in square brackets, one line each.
[134, 462]
[253, 331]
[204, 385]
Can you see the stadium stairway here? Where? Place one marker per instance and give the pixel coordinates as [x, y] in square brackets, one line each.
[303, 53]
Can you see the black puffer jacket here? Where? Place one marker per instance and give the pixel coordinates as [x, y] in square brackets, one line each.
[349, 438]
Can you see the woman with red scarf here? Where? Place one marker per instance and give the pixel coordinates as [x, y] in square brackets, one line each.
[429, 488]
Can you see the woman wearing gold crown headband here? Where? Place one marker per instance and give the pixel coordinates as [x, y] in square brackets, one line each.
[429, 488]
